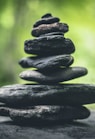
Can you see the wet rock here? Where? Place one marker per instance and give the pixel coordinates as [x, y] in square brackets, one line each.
[63, 74]
[48, 28]
[29, 95]
[49, 45]
[47, 63]
[46, 114]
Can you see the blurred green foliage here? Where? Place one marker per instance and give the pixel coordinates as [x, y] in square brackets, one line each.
[17, 18]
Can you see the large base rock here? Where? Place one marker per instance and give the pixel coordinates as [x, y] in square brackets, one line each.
[80, 129]
[45, 114]
[65, 94]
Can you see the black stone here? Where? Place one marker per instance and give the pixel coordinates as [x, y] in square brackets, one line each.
[48, 63]
[64, 74]
[49, 45]
[47, 15]
[48, 20]
[48, 114]
[48, 28]
[65, 94]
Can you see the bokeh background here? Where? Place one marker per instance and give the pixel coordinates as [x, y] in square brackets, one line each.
[17, 18]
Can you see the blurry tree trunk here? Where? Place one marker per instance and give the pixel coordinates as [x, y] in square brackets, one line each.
[11, 51]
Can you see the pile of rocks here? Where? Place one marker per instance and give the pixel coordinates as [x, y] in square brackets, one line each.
[48, 101]
[53, 53]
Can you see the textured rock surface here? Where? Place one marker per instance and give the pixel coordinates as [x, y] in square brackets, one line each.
[47, 28]
[48, 20]
[66, 94]
[45, 114]
[48, 63]
[81, 129]
[49, 45]
[4, 110]
[63, 74]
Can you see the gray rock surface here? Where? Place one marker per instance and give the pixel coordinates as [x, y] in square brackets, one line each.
[52, 33]
[66, 94]
[4, 110]
[80, 129]
[49, 45]
[63, 74]
[45, 114]
[48, 20]
[47, 63]
[47, 28]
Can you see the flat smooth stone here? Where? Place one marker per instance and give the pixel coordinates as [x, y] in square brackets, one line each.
[48, 20]
[47, 28]
[47, 63]
[48, 114]
[49, 45]
[65, 94]
[63, 74]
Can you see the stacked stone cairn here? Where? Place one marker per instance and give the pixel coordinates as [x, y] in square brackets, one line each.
[50, 60]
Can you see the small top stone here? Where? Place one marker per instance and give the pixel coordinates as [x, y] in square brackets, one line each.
[47, 15]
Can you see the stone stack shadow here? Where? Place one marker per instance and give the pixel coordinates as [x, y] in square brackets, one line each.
[48, 100]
